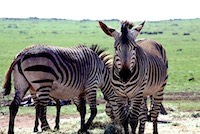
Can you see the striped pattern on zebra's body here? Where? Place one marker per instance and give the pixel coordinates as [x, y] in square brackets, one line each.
[62, 73]
[139, 70]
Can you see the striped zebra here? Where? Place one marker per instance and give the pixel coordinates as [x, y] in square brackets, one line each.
[139, 70]
[107, 91]
[62, 73]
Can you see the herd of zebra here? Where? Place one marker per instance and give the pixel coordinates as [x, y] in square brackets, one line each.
[137, 70]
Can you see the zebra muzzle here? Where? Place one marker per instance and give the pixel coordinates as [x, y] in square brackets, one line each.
[125, 74]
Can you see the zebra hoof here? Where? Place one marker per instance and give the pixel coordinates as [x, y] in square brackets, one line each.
[35, 129]
[82, 132]
[10, 132]
[56, 128]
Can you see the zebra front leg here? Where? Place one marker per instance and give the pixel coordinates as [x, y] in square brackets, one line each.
[120, 109]
[81, 107]
[13, 112]
[93, 114]
[91, 99]
[123, 116]
[143, 115]
[134, 113]
[125, 126]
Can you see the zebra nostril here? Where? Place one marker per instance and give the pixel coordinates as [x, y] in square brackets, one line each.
[125, 74]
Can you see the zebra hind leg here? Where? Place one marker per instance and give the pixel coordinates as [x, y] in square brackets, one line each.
[42, 115]
[33, 95]
[36, 120]
[58, 107]
[13, 112]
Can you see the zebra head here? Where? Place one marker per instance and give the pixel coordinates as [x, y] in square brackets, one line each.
[125, 47]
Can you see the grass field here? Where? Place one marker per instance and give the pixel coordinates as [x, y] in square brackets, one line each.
[182, 50]
[180, 38]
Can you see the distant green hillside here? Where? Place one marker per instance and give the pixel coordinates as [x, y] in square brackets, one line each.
[179, 37]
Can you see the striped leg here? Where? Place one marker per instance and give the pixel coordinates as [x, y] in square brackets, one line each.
[123, 113]
[13, 111]
[81, 107]
[91, 100]
[157, 99]
[143, 115]
[58, 107]
[135, 110]
[117, 112]
[33, 95]
[57, 121]
[42, 115]
[36, 119]
[43, 98]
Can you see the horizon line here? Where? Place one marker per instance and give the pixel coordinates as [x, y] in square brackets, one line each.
[113, 19]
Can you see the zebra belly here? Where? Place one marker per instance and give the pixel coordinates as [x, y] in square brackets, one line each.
[64, 92]
[151, 90]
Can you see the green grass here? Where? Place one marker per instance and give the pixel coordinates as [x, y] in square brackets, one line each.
[183, 65]
[51, 110]
[182, 105]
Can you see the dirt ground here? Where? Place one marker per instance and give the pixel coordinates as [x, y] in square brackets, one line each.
[174, 123]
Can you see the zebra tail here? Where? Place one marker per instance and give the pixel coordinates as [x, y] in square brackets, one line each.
[7, 80]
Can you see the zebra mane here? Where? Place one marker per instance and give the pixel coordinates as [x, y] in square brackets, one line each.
[105, 57]
[125, 26]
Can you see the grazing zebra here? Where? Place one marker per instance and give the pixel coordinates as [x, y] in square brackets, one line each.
[107, 91]
[139, 70]
[62, 73]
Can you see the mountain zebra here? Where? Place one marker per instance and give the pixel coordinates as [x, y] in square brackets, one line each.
[62, 73]
[139, 70]
[107, 92]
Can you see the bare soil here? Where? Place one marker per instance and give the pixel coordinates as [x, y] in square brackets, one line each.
[193, 96]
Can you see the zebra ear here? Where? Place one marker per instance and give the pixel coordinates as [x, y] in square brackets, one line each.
[136, 30]
[109, 31]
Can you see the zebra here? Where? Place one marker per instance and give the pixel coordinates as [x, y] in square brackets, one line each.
[108, 92]
[139, 70]
[62, 73]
